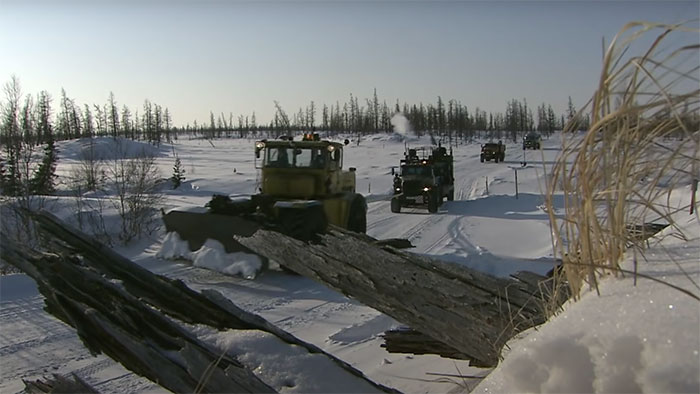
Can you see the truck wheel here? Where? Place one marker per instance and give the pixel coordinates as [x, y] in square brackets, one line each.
[503, 157]
[482, 158]
[433, 204]
[451, 195]
[395, 205]
[357, 221]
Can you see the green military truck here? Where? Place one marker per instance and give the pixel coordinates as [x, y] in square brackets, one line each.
[532, 141]
[495, 151]
[424, 182]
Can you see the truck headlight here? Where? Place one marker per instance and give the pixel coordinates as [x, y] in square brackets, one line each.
[398, 189]
[425, 189]
[259, 145]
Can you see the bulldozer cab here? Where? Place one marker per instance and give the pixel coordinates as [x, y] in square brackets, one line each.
[302, 155]
[306, 169]
[303, 189]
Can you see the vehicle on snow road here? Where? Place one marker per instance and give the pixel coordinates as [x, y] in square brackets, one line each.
[495, 151]
[303, 189]
[424, 182]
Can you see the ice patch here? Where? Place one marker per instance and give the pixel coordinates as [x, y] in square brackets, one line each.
[364, 331]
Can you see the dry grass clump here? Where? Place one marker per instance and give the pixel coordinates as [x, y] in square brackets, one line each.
[642, 144]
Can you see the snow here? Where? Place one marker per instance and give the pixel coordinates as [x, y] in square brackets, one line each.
[108, 149]
[646, 341]
[212, 255]
[631, 337]
[261, 352]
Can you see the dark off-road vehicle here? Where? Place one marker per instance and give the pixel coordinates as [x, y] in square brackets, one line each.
[532, 141]
[424, 182]
[495, 151]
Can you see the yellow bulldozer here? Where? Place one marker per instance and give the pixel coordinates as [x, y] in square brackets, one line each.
[303, 189]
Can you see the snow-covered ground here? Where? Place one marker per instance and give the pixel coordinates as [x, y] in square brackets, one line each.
[630, 338]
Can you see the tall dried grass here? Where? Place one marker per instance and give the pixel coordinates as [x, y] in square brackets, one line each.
[642, 144]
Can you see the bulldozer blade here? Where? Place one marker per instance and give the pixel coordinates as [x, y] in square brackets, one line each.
[196, 227]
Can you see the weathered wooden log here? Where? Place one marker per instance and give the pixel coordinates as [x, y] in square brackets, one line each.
[408, 340]
[108, 319]
[473, 312]
[117, 306]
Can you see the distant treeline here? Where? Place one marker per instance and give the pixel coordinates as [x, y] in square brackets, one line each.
[30, 125]
[38, 119]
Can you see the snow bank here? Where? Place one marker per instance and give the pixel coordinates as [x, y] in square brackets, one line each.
[639, 337]
[107, 148]
[212, 255]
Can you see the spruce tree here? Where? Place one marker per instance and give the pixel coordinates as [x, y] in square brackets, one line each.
[42, 182]
[178, 173]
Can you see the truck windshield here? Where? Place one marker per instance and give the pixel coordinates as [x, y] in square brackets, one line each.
[416, 170]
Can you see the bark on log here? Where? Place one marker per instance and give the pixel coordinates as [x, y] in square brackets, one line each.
[470, 311]
[120, 308]
[407, 340]
[110, 320]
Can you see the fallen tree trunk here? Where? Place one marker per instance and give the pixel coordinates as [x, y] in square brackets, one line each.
[120, 308]
[467, 310]
[407, 340]
[110, 320]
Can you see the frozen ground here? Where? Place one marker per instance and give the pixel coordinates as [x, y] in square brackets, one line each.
[630, 338]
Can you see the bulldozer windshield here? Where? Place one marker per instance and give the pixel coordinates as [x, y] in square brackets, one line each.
[295, 157]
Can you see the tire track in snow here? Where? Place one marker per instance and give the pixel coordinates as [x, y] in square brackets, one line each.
[415, 230]
[44, 328]
[92, 368]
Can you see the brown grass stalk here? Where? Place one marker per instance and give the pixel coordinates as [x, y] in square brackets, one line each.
[642, 144]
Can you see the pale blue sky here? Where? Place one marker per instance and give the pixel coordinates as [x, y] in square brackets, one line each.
[235, 56]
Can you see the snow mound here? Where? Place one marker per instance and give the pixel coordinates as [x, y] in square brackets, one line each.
[212, 255]
[107, 148]
[173, 247]
[642, 342]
